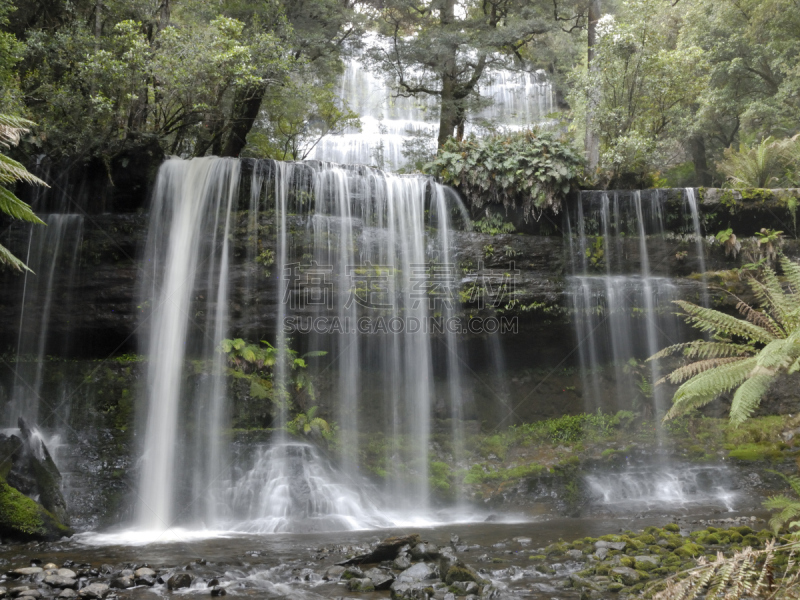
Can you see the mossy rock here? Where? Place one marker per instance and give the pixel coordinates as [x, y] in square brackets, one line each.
[654, 531]
[673, 527]
[646, 539]
[643, 574]
[577, 545]
[672, 561]
[689, 550]
[457, 573]
[23, 519]
[744, 530]
[662, 571]
[638, 544]
[537, 557]
[751, 540]
[636, 588]
[586, 573]
[710, 540]
[614, 587]
[627, 561]
[602, 569]
[645, 565]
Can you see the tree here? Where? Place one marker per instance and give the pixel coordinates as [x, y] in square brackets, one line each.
[446, 48]
[647, 87]
[11, 129]
[745, 355]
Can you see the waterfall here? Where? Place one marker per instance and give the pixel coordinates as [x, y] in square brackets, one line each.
[53, 255]
[352, 246]
[620, 317]
[691, 200]
[515, 100]
[188, 238]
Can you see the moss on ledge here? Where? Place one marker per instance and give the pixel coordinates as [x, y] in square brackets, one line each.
[22, 518]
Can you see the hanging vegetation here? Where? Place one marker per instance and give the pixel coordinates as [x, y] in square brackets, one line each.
[529, 170]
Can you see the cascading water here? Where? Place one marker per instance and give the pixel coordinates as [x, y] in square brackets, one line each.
[622, 317]
[516, 99]
[354, 233]
[53, 255]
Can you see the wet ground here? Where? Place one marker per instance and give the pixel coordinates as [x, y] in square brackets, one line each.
[294, 565]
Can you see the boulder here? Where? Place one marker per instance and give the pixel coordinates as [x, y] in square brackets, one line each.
[402, 562]
[353, 573]
[123, 582]
[601, 553]
[68, 593]
[388, 549]
[334, 573]
[26, 571]
[424, 551]
[460, 573]
[381, 578]
[57, 581]
[625, 575]
[94, 590]
[64, 572]
[218, 591]
[575, 554]
[179, 580]
[418, 572]
[364, 584]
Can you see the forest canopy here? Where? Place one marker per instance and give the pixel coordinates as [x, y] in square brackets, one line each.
[649, 92]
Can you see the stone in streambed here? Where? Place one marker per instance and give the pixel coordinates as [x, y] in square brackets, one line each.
[68, 593]
[218, 591]
[625, 575]
[94, 590]
[381, 579]
[145, 576]
[364, 584]
[334, 573]
[123, 582]
[57, 581]
[419, 572]
[179, 580]
[26, 571]
[30, 594]
[424, 551]
[575, 554]
[402, 562]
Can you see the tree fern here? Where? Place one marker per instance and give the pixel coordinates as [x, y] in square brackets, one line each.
[11, 130]
[746, 354]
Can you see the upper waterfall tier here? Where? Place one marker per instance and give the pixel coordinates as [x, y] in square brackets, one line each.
[514, 100]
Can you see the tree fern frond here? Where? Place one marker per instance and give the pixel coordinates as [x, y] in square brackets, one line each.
[669, 350]
[683, 373]
[12, 128]
[791, 270]
[748, 397]
[6, 258]
[704, 349]
[710, 320]
[12, 171]
[16, 208]
[760, 319]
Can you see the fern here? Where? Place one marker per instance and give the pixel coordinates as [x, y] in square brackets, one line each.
[746, 354]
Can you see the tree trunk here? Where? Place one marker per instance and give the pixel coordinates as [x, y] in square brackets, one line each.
[164, 14]
[448, 113]
[592, 141]
[697, 146]
[245, 112]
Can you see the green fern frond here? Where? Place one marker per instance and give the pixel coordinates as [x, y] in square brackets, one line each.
[704, 387]
[683, 373]
[704, 349]
[6, 258]
[16, 208]
[12, 171]
[760, 319]
[710, 320]
[791, 270]
[748, 397]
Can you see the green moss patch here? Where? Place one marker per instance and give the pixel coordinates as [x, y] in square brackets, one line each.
[24, 519]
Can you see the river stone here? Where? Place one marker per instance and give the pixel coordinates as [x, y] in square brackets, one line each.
[68, 593]
[123, 582]
[651, 558]
[381, 579]
[64, 572]
[419, 572]
[50, 566]
[364, 584]
[575, 554]
[179, 580]
[353, 573]
[218, 591]
[57, 581]
[626, 575]
[582, 583]
[334, 573]
[25, 571]
[468, 587]
[30, 594]
[94, 590]
[144, 572]
[601, 553]
[446, 560]
[424, 551]
[402, 562]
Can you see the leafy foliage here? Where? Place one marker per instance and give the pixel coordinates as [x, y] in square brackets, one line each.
[11, 130]
[789, 515]
[309, 424]
[747, 574]
[528, 170]
[745, 355]
[759, 166]
[493, 224]
[257, 364]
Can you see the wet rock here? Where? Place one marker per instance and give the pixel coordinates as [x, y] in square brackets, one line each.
[68, 593]
[57, 581]
[424, 551]
[213, 583]
[145, 576]
[415, 591]
[179, 580]
[94, 590]
[610, 545]
[575, 554]
[601, 553]
[26, 571]
[388, 549]
[381, 579]
[64, 572]
[648, 558]
[460, 573]
[523, 540]
[625, 575]
[30, 594]
[50, 566]
[446, 560]
[123, 582]
[334, 573]
[419, 572]
[467, 587]
[582, 583]
[454, 539]
[353, 573]
[364, 584]
[402, 562]
[218, 591]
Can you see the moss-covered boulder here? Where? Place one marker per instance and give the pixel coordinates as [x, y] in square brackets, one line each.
[22, 518]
